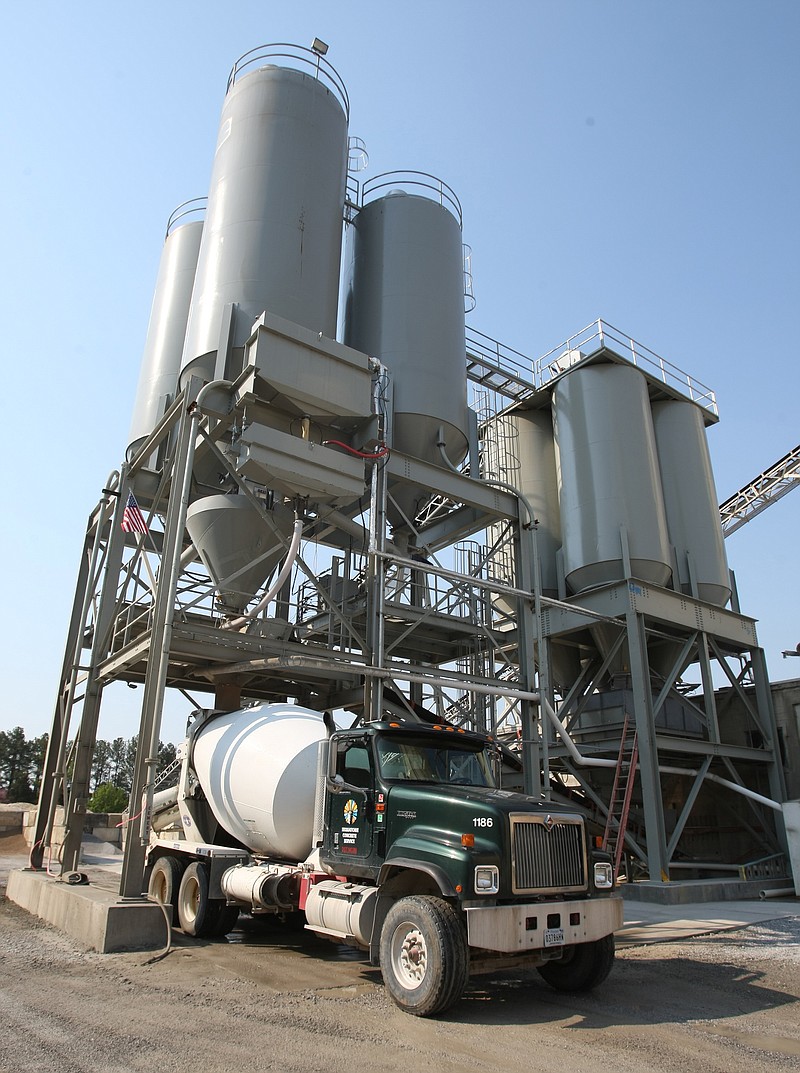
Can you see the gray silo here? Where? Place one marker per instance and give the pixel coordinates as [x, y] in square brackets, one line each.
[273, 233]
[608, 478]
[161, 360]
[404, 304]
[519, 448]
[538, 482]
[690, 499]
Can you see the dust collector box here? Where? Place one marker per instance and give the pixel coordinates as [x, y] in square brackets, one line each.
[300, 370]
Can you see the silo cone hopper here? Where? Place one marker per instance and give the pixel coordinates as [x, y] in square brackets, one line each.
[237, 545]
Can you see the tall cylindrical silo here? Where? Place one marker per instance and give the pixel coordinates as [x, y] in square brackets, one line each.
[608, 478]
[518, 448]
[690, 499]
[404, 304]
[273, 233]
[161, 361]
[538, 482]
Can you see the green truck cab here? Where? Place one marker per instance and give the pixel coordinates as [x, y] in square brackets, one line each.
[459, 874]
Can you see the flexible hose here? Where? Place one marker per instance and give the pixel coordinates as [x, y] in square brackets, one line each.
[382, 451]
[274, 589]
[168, 922]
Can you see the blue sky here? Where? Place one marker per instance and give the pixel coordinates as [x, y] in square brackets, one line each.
[636, 161]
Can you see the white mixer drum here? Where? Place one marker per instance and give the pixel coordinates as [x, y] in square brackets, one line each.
[258, 770]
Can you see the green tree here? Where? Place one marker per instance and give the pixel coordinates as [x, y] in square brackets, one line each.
[101, 763]
[38, 753]
[166, 754]
[16, 761]
[117, 761]
[108, 798]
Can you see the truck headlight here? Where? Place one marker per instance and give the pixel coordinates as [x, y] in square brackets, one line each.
[487, 879]
[603, 875]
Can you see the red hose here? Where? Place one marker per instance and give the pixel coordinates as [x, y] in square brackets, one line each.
[382, 452]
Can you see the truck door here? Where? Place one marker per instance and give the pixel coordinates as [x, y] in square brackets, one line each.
[351, 815]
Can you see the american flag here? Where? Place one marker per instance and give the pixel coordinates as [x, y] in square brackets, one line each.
[132, 517]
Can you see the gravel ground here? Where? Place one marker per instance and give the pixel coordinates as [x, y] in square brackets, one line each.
[268, 1000]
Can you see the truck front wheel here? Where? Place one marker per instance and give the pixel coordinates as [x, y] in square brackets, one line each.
[582, 967]
[424, 955]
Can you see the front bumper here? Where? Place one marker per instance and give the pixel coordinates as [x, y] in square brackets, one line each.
[512, 929]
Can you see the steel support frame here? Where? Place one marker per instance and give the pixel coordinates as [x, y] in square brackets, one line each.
[183, 428]
[146, 764]
[636, 626]
[93, 563]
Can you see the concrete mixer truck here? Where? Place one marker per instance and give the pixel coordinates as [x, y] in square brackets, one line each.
[392, 836]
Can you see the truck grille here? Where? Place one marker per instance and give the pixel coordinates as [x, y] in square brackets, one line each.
[548, 853]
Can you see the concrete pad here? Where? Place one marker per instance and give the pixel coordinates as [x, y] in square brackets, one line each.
[646, 922]
[95, 917]
[689, 891]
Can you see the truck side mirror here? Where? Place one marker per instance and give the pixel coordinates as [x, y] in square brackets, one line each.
[337, 785]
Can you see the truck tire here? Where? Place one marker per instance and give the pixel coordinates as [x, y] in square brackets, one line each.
[164, 883]
[226, 918]
[582, 967]
[424, 955]
[197, 913]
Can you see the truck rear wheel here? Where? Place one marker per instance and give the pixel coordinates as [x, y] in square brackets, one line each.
[164, 883]
[582, 967]
[226, 918]
[196, 912]
[424, 955]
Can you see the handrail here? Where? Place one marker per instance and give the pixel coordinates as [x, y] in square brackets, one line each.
[505, 357]
[526, 376]
[600, 333]
[198, 209]
[418, 182]
[301, 58]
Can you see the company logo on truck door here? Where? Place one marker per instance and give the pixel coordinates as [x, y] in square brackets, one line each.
[350, 811]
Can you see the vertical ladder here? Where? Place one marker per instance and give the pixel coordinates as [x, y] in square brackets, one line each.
[621, 793]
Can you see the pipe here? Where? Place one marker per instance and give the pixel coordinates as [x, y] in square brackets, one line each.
[743, 790]
[442, 445]
[782, 892]
[275, 588]
[340, 520]
[572, 749]
[448, 683]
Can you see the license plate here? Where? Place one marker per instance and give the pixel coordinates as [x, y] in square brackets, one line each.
[554, 937]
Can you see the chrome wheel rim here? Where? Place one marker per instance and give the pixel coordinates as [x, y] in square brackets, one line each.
[409, 955]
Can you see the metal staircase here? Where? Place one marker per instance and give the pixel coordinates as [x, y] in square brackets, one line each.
[498, 367]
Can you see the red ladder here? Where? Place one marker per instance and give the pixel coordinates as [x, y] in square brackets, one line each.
[621, 793]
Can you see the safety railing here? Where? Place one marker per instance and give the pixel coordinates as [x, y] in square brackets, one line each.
[413, 182]
[297, 58]
[600, 335]
[192, 210]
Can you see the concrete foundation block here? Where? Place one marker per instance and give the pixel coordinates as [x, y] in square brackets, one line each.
[95, 918]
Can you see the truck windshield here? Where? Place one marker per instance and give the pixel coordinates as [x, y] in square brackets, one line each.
[426, 762]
